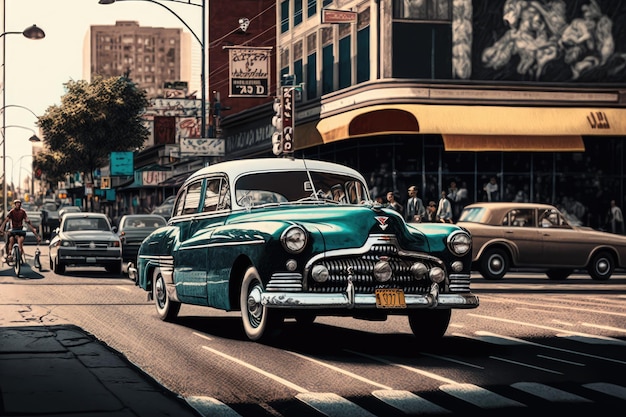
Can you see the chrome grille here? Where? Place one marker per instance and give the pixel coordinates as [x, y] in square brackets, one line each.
[460, 283]
[97, 245]
[284, 281]
[359, 269]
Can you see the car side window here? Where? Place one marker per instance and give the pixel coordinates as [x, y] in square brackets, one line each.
[520, 218]
[188, 201]
[217, 195]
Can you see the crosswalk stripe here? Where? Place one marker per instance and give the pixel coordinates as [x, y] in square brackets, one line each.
[607, 388]
[408, 402]
[208, 406]
[549, 393]
[332, 405]
[479, 396]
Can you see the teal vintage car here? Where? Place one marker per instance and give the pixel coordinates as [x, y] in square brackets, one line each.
[283, 237]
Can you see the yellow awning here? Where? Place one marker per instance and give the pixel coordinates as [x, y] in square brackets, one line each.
[508, 143]
[473, 120]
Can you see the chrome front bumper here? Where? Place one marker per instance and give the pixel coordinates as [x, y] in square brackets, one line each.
[350, 300]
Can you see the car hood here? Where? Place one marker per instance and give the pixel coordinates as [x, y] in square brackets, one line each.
[340, 226]
[89, 235]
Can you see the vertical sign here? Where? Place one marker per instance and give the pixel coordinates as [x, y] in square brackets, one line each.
[287, 119]
[249, 69]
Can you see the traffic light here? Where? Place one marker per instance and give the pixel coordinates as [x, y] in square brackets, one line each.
[277, 122]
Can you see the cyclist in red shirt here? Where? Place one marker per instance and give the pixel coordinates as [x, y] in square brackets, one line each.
[17, 216]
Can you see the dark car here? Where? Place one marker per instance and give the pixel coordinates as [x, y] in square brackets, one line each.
[49, 217]
[511, 235]
[268, 238]
[165, 209]
[85, 239]
[133, 229]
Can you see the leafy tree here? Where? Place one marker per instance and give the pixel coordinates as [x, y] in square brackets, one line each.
[93, 120]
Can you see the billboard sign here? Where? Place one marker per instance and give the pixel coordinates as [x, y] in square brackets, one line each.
[249, 71]
[122, 163]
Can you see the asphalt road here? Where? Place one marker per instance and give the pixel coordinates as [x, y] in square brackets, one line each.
[533, 345]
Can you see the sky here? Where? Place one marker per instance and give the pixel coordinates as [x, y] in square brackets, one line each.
[37, 69]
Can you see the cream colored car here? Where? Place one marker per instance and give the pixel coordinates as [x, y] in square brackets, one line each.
[538, 236]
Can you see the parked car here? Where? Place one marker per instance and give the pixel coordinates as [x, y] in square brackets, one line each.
[266, 237]
[538, 236]
[133, 229]
[85, 239]
[165, 208]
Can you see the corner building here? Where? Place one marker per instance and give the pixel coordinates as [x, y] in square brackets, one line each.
[427, 92]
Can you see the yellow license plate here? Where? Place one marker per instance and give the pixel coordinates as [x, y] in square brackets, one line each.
[390, 298]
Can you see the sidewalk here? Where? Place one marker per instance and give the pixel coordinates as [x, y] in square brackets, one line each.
[61, 370]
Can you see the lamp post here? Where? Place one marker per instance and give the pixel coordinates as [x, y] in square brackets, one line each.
[202, 42]
[33, 139]
[31, 32]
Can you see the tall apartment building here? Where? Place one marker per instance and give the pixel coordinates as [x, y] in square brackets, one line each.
[152, 56]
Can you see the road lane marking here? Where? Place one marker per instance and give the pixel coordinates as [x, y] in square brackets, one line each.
[445, 358]
[609, 389]
[554, 329]
[552, 306]
[409, 403]
[408, 368]
[478, 396]
[343, 371]
[564, 323]
[257, 370]
[561, 360]
[403, 400]
[527, 365]
[549, 393]
[201, 335]
[598, 326]
[208, 406]
[333, 405]
[592, 340]
[122, 288]
[493, 338]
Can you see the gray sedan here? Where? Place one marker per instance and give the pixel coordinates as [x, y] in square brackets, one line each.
[85, 239]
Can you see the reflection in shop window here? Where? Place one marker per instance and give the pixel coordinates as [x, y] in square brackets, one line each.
[422, 9]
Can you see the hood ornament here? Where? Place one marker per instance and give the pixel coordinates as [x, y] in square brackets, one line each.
[382, 221]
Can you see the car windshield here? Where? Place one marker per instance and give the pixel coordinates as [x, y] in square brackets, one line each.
[282, 187]
[143, 222]
[472, 214]
[86, 223]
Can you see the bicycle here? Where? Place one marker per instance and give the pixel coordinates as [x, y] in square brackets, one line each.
[15, 259]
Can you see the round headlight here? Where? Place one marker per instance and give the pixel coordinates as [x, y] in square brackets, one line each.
[294, 239]
[382, 271]
[459, 243]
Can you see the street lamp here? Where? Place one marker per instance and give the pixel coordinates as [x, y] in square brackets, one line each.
[202, 43]
[31, 32]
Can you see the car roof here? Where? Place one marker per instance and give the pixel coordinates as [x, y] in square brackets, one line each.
[236, 168]
[507, 205]
[74, 215]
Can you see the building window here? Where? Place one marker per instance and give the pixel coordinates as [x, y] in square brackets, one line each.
[311, 8]
[297, 12]
[311, 76]
[328, 60]
[422, 9]
[297, 70]
[363, 46]
[284, 16]
[345, 62]
[326, 2]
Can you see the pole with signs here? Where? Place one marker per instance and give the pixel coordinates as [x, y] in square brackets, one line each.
[287, 108]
